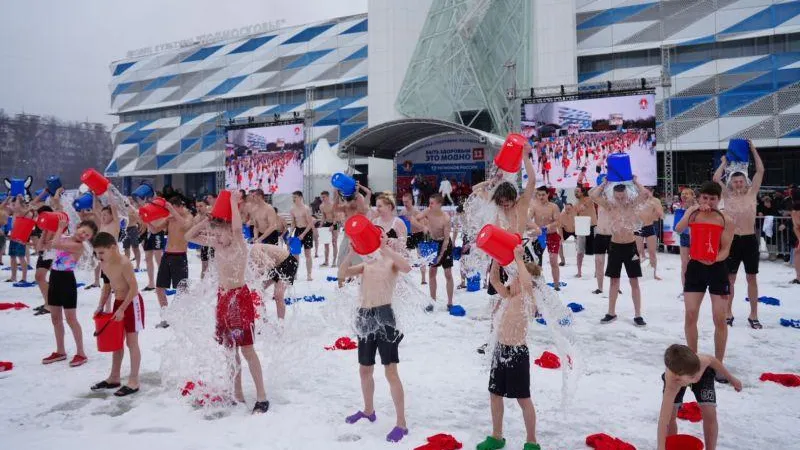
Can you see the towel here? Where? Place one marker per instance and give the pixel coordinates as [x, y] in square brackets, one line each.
[441, 441]
[602, 441]
[548, 361]
[343, 343]
[691, 412]
[5, 366]
[769, 221]
[786, 379]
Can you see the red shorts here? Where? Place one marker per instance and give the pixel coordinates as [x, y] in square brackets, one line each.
[236, 316]
[134, 314]
[553, 243]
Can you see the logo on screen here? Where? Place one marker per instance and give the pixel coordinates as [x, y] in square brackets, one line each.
[296, 131]
[477, 154]
[643, 103]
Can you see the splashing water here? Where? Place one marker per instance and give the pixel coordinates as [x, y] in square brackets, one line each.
[114, 197]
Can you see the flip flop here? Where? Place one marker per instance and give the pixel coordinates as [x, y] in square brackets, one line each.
[755, 324]
[125, 391]
[105, 385]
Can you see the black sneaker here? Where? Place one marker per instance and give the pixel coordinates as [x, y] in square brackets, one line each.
[429, 308]
[639, 321]
[597, 291]
[41, 312]
[261, 407]
[795, 281]
[482, 349]
[608, 319]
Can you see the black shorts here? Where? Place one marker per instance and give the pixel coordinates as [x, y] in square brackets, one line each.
[206, 253]
[285, 271]
[601, 243]
[104, 278]
[588, 246]
[332, 225]
[308, 240]
[131, 238]
[377, 334]
[272, 239]
[744, 249]
[446, 261]
[704, 390]
[63, 289]
[567, 235]
[511, 372]
[623, 254]
[646, 231]
[42, 263]
[413, 240]
[700, 277]
[173, 269]
[154, 242]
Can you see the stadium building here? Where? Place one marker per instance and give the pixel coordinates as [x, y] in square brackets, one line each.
[719, 68]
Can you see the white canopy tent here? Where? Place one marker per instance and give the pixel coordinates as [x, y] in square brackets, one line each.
[324, 163]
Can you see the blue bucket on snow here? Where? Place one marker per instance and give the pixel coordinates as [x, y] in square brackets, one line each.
[428, 248]
[738, 151]
[619, 167]
[344, 183]
[295, 245]
[84, 202]
[53, 184]
[474, 283]
[144, 192]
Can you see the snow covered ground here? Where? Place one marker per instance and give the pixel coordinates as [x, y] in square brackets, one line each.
[445, 379]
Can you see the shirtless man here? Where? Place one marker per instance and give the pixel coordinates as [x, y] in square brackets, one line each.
[329, 221]
[128, 307]
[265, 219]
[439, 229]
[357, 204]
[417, 229]
[377, 332]
[740, 204]
[109, 223]
[584, 207]
[622, 249]
[276, 266]
[546, 214]
[650, 211]
[602, 240]
[174, 266]
[235, 302]
[303, 226]
[567, 221]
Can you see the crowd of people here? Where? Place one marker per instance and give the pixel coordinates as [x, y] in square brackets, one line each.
[621, 226]
[263, 171]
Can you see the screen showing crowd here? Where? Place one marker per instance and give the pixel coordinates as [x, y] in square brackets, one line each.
[267, 158]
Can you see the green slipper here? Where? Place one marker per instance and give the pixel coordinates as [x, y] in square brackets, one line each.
[531, 446]
[491, 444]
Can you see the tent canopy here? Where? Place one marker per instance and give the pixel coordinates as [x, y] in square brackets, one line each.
[389, 138]
[325, 162]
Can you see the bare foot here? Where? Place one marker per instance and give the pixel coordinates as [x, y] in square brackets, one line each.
[657, 277]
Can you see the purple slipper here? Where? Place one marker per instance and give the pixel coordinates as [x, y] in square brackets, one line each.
[360, 415]
[396, 434]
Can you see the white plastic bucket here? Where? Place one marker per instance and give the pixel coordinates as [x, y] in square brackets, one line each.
[583, 225]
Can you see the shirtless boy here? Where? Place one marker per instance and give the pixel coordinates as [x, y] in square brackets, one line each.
[109, 223]
[265, 219]
[439, 229]
[711, 275]
[347, 208]
[546, 214]
[235, 302]
[740, 205]
[174, 266]
[377, 332]
[128, 307]
[511, 367]
[685, 368]
[622, 250]
[276, 266]
[649, 212]
[584, 207]
[329, 222]
[303, 225]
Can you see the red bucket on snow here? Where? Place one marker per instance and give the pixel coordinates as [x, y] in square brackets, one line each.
[110, 333]
[96, 182]
[364, 235]
[704, 245]
[154, 210]
[222, 207]
[22, 229]
[48, 221]
[498, 243]
[509, 158]
[684, 442]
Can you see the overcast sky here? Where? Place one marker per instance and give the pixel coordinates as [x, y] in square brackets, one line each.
[55, 55]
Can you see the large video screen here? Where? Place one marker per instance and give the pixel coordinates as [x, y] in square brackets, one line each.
[267, 158]
[572, 139]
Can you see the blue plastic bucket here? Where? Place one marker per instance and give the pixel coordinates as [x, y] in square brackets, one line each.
[39, 192]
[679, 213]
[246, 231]
[84, 202]
[542, 238]
[474, 283]
[428, 248]
[144, 191]
[295, 245]
[53, 184]
[738, 150]
[344, 183]
[456, 253]
[17, 187]
[193, 246]
[619, 167]
[407, 222]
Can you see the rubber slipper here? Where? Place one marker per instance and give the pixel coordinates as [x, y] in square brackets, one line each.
[360, 415]
[125, 391]
[105, 385]
[755, 324]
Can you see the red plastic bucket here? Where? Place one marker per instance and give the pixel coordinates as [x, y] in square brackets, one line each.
[48, 221]
[684, 442]
[22, 229]
[704, 245]
[153, 211]
[222, 207]
[96, 182]
[509, 158]
[364, 235]
[110, 333]
[498, 243]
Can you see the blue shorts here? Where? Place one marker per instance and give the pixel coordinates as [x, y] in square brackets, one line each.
[16, 249]
[685, 240]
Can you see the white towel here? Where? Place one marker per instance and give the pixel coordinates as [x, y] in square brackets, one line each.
[769, 221]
